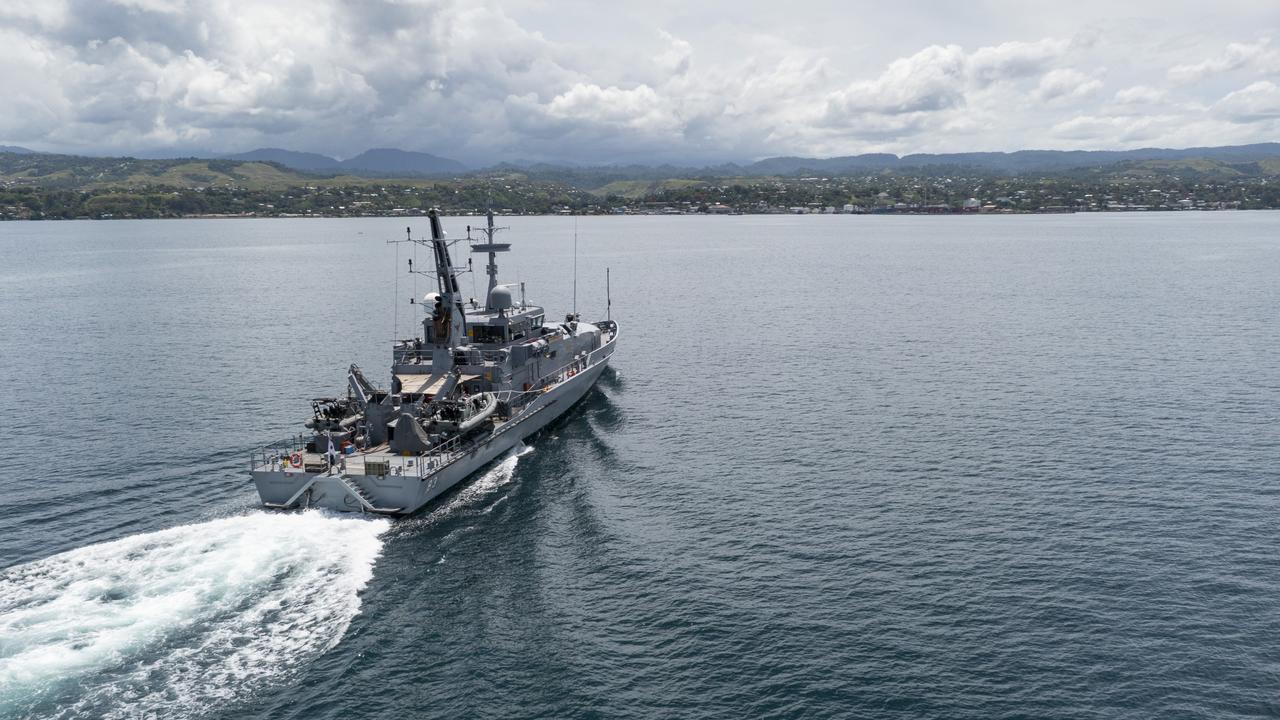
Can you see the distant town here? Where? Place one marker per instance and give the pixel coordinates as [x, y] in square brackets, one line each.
[867, 195]
[47, 187]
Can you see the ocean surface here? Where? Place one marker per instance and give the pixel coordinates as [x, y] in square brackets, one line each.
[843, 467]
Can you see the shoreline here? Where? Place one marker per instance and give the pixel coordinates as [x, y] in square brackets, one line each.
[472, 213]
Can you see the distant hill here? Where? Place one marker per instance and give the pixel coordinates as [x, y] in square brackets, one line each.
[278, 169]
[1254, 159]
[849, 163]
[1195, 169]
[389, 162]
[49, 170]
[402, 162]
[382, 162]
[288, 158]
[1011, 163]
[87, 173]
[93, 173]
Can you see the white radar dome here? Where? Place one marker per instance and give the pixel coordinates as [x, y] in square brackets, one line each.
[500, 299]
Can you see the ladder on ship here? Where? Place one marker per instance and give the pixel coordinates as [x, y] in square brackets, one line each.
[362, 496]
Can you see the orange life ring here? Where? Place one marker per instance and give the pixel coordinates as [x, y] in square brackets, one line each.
[296, 459]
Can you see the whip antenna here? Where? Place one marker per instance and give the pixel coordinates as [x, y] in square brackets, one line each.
[395, 307]
[575, 267]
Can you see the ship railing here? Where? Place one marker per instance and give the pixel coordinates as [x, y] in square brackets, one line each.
[419, 356]
[465, 357]
[559, 376]
[520, 397]
[438, 456]
[411, 355]
[446, 452]
[277, 453]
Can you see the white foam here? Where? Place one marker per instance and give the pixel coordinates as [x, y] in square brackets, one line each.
[493, 478]
[169, 622]
[472, 496]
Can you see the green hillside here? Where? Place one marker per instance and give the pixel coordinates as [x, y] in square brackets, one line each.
[35, 186]
[71, 172]
[635, 189]
[1196, 168]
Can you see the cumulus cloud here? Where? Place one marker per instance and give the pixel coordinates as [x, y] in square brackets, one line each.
[1259, 101]
[938, 78]
[1066, 84]
[946, 89]
[483, 82]
[31, 104]
[1140, 95]
[677, 57]
[932, 79]
[640, 109]
[1261, 54]
[1013, 60]
[1125, 129]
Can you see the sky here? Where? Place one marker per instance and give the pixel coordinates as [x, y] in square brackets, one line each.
[645, 81]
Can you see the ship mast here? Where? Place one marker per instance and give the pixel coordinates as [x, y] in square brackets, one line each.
[450, 297]
[447, 319]
[493, 249]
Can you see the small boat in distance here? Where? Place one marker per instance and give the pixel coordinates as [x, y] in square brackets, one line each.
[478, 381]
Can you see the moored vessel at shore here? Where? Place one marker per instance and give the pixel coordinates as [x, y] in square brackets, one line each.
[475, 383]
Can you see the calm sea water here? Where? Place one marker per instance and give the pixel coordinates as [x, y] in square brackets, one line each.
[844, 467]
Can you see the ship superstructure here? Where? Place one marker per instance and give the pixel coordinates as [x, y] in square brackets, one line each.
[476, 382]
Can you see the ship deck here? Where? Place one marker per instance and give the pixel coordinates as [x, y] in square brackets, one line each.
[376, 460]
[357, 462]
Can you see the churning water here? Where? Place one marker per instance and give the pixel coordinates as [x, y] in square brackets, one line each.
[844, 467]
[172, 622]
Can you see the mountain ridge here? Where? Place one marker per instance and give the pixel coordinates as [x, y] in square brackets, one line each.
[1014, 162]
[1232, 160]
[393, 161]
[288, 158]
[380, 161]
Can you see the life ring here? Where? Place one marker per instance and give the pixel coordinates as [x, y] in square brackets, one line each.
[296, 459]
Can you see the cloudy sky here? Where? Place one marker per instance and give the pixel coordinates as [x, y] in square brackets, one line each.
[636, 80]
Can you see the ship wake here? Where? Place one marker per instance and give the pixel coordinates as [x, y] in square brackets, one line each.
[497, 476]
[478, 497]
[177, 622]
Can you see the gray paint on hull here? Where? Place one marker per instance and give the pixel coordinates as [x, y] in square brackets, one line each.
[409, 493]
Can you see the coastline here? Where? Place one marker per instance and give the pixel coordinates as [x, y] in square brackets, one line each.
[479, 213]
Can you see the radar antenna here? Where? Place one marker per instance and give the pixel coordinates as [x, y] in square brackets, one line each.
[575, 268]
[487, 245]
[395, 307]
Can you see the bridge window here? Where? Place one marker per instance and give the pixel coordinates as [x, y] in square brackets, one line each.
[486, 334]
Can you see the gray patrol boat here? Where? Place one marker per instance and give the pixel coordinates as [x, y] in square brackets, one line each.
[479, 380]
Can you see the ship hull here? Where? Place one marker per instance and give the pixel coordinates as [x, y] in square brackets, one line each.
[409, 490]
